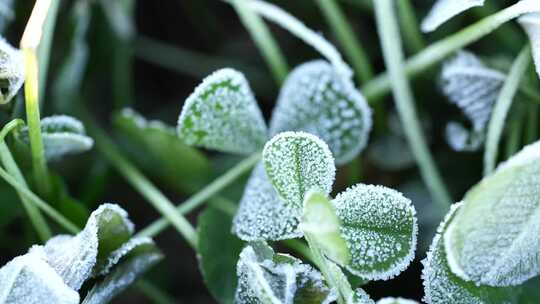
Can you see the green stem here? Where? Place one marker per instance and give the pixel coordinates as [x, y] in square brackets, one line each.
[502, 106]
[142, 184]
[44, 49]
[409, 26]
[393, 56]
[205, 194]
[344, 33]
[438, 51]
[263, 39]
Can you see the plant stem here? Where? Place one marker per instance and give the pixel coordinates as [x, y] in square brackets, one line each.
[142, 184]
[409, 26]
[263, 39]
[205, 194]
[514, 136]
[34, 199]
[502, 106]
[436, 52]
[344, 33]
[44, 49]
[393, 56]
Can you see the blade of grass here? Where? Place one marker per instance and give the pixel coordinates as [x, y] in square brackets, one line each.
[431, 55]
[502, 106]
[515, 134]
[263, 39]
[393, 56]
[44, 48]
[346, 37]
[409, 26]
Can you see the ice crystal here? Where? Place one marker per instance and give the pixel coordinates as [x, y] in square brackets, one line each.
[262, 215]
[61, 135]
[222, 114]
[493, 238]
[474, 88]
[444, 10]
[11, 71]
[379, 227]
[359, 296]
[396, 301]
[297, 162]
[442, 286]
[28, 279]
[531, 24]
[279, 279]
[317, 100]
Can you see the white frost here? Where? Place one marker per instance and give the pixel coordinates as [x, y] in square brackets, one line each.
[444, 10]
[396, 301]
[11, 70]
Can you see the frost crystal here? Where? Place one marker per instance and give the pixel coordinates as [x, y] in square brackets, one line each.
[396, 301]
[75, 257]
[444, 10]
[442, 286]
[379, 227]
[359, 296]
[297, 162]
[11, 71]
[531, 24]
[278, 279]
[62, 135]
[474, 88]
[262, 215]
[222, 114]
[28, 279]
[493, 239]
[317, 100]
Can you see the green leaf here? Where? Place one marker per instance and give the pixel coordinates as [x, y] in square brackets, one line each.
[531, 24]
[262, 214]
[297, 162]
[316, 99]
[396, 301]
[28, 279]
[11, 71]
[320, 222]
[222, 114]
[379, 227]
[156, 147]
[61, 135]
[493, 238]
[218, 252]
[359, 296]
[442, 286]
[444, 10]
[278, 279]
[126, 265]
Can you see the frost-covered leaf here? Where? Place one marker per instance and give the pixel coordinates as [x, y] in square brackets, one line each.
[531, 24]
[442, 286]
[472, 87]
[76, 258]
[156, 147]
[379, 227]
[320, 222]
[130, 262]
[297, 162]
[222, 114]
[359, 296]
[317, 100]
[11, 71]
[218, 253]
[28, 279]
[262, 214]
[61, 135]
[396, 301]
[278, 279]
[493, 239]
[444, 10]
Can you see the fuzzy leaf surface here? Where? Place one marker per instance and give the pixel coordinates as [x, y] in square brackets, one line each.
[11, 71]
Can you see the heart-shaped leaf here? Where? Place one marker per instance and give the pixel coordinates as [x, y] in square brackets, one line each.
[316, 99]
[222, 114]
[61, 135]
[444, 10]
[531, 24]
[125, 266]
[264, 277]
[379, 227]
[396, 301]
[262, 214]
[28, 279]
[297, 162]
[442, 286]
[11, 71]
[493, 238]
